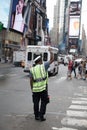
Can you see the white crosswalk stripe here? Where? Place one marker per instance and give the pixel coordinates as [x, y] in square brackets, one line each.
[78, 107]
[85, 99]
[76, 115]
[74, 122]
[79, 102]
[63, 128]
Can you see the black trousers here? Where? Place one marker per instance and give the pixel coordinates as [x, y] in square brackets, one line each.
[39, 100]
[74, 70]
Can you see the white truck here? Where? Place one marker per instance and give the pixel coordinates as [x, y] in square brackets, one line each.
[19, 58]
[33, 51]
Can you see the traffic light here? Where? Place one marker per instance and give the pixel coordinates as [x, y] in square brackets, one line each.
[1, 26]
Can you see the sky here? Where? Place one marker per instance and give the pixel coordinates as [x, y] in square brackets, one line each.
[4, 11]
[50, 11]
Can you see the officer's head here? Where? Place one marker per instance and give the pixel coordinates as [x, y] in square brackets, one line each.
[38, 60]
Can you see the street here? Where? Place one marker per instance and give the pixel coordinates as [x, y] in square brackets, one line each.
[67, 109]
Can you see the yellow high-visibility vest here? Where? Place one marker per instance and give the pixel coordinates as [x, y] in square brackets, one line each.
[39, 78]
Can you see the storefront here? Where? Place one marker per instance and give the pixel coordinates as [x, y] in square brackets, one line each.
[9, 41]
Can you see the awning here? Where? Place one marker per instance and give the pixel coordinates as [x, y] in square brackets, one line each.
[13, 46]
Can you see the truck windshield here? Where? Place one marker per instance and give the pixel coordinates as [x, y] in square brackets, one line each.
[45, 56]
[29, 57]
[36, 55]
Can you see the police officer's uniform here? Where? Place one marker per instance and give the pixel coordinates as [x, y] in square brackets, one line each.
[40, 78]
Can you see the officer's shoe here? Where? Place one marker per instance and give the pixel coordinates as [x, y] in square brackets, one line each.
[42, 119]
[37, 118]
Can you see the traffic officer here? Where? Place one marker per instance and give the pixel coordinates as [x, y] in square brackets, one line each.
[38, 83]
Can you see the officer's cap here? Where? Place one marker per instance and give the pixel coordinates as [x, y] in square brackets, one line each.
[37, 59]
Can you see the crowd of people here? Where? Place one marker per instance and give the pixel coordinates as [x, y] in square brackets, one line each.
[79, 69]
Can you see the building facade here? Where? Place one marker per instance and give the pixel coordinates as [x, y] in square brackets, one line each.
[24, 26]
[60, 24]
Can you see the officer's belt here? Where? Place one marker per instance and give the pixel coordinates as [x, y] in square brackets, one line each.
[40, 79]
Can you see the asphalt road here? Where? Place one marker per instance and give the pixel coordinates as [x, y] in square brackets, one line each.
[67, 109]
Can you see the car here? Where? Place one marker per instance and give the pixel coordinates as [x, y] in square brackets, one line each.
[66, 59]
[78, 60]
[60, 60]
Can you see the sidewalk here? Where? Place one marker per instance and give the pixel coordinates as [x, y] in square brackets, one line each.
[6, 65]
[4, 69]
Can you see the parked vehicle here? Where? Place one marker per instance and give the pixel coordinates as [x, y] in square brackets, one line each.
[19, 58]
[78, 60]
[66, 59]
[33, 51]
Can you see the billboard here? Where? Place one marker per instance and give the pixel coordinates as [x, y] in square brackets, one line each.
[75, 8]
[74, 26]
[16, 21]
[73, 42]
[4, 12]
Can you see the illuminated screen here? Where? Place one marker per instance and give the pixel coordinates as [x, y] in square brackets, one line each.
[16, 22]
[4, 12]
[74, 26]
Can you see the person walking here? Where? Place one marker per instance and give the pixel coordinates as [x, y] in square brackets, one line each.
[80, 70]
[39, 83]
[85, 69]
[70, 64]
[74, 66]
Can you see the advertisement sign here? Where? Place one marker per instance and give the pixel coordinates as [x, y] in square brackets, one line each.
[73, 42]
[75, 8]
[74, 26]
[16, 22]
[4, 12]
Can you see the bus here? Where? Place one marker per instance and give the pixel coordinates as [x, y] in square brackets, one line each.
[33, 51]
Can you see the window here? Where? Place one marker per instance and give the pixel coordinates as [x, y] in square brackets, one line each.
[45, 57]
[55, 57]
[36, 55]
[29, 56]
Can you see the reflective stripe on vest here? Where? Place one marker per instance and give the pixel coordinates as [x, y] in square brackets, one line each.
[39, 78]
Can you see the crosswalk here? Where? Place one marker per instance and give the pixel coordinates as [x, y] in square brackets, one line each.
[76, 115]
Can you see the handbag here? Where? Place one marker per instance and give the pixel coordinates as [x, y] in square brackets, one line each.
[47, 99]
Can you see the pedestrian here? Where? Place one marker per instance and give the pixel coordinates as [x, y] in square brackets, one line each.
[39, 83]
[80, 70]
[69, 69]
[74, 66]
[86, 69]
